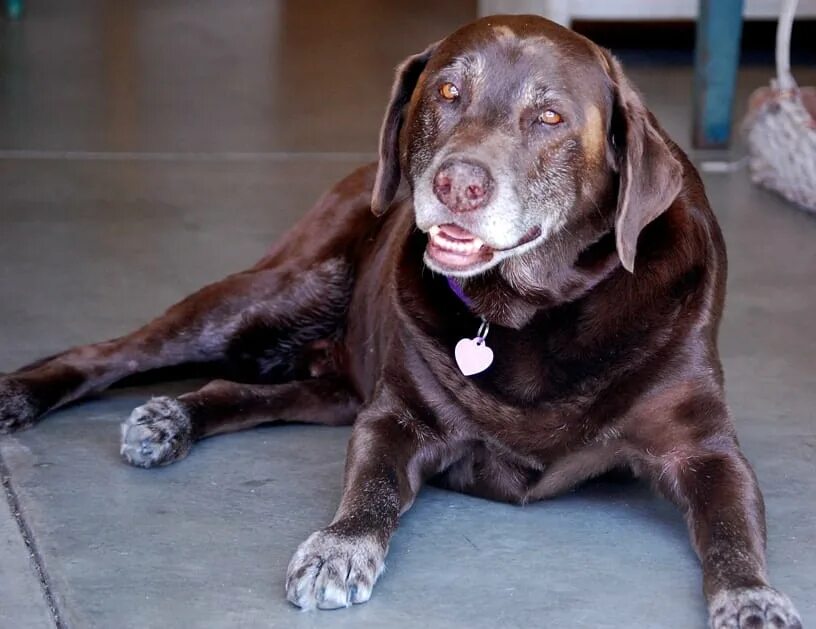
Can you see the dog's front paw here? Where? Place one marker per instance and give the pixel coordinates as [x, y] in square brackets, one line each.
[753, 608]
[330, 570]
[157, 433]
[18, 409]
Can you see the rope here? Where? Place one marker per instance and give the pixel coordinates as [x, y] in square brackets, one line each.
[783, 36]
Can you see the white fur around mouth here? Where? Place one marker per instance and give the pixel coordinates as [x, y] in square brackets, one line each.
[465, 247]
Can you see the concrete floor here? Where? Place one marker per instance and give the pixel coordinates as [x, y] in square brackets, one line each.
[149, 148]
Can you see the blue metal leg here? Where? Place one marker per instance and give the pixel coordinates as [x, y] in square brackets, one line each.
[716, 60]
[14, 8]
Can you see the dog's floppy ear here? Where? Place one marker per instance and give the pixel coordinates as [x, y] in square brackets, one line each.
[650, 176]
[388, 169]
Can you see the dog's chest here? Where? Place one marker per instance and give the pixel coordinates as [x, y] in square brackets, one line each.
[539, 436]
[535, 400]
[541, 369]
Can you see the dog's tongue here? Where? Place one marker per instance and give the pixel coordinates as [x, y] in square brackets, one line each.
[454, 232]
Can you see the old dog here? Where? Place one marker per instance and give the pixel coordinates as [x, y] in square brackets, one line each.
[523, 293]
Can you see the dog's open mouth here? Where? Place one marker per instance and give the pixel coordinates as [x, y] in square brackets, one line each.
[455, 248]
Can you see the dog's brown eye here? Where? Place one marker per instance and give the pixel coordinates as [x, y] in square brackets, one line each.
[449, 91]
[549, 117]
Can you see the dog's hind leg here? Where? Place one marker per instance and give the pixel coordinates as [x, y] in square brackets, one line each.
[292, 305]
[163, 430]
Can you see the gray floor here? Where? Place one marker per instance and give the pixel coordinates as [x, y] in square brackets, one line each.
[226, 123]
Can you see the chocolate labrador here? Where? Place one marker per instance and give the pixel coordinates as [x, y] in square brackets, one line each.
[523, 293]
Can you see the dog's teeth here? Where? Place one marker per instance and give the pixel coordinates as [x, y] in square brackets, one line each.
[434, 231]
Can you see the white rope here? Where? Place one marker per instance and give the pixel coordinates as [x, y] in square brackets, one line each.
[783, 36]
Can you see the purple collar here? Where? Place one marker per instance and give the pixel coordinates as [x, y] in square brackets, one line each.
[457, 289]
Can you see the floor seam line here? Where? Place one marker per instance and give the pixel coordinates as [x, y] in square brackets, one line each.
[28, 539]
[188, 156]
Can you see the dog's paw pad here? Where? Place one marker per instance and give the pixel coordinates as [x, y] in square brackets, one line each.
[18, 409]
[329, 571]
[753, 608]
[157, 433]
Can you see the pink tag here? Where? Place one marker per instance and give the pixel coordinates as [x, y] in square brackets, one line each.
[473, 356]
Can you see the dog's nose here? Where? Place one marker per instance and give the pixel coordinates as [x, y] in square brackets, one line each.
[462, 186]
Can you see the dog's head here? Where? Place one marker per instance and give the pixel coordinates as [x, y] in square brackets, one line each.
[511, 129]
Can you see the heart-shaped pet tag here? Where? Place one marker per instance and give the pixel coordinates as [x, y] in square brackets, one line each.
[473, 356]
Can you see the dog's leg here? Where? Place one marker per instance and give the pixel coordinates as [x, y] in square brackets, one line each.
[163, 430]
[390, 453]
[715, 486]
[292, 305]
